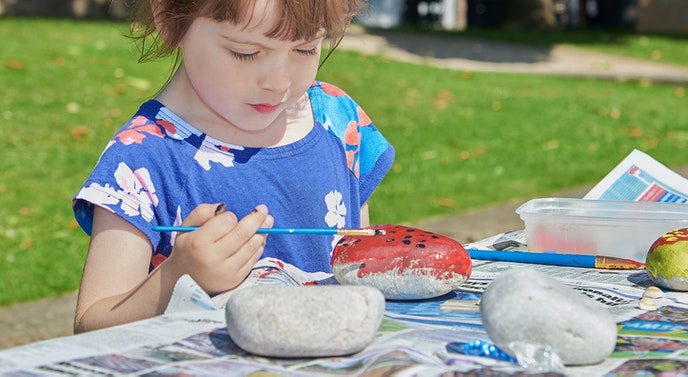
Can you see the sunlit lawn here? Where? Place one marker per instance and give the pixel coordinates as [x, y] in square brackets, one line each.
[463, 140]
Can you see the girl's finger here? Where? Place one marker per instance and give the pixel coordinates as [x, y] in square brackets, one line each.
[248, 226]
[200, 214]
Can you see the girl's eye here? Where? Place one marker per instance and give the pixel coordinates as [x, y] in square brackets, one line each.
[244, 57]
[312, 51]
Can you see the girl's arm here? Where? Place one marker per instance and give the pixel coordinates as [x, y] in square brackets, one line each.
[116, 287]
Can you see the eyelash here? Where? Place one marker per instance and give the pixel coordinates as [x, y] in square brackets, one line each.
[310, 52]
[244, 57]
[250, 57]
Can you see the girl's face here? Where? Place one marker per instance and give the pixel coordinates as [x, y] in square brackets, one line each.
[242, 76]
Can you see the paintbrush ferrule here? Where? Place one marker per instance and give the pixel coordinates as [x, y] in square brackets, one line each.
[614, 263]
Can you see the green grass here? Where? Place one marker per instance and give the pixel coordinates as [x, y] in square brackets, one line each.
[463, 140]
[470, 140]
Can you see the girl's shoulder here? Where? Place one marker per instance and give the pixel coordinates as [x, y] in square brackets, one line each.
[326, 89]
[156, 138]
[326, 95]
[154, 125]
[335, 109]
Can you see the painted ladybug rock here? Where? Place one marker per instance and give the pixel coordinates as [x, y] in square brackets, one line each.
[405, 263]
[667, 260]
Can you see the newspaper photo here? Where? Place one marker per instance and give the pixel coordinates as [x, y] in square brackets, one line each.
[640, 177]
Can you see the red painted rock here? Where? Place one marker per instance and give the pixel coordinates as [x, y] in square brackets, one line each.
[405, 264]
[667, 260]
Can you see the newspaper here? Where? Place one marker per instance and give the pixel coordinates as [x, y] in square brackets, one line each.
[189, 296]
[415, 338]
[640, 177]
[428, 337]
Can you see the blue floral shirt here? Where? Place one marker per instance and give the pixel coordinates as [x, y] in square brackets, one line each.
[158, 168]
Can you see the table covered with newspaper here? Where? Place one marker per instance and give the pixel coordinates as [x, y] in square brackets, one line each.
[415, 337]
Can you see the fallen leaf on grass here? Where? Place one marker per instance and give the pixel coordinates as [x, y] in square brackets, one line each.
[73, 224]
[79, 131]
[26, 211]
[447, 202]
[636, 132]
[645, 83]
[551, 145]
[27, 243]
[59, 61]
[442, 99]
[14, 64]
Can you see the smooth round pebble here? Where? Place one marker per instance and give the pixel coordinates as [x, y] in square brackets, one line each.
[304, 321]
[647, 303]
[526, 306]
[405, 264]
[653, 292]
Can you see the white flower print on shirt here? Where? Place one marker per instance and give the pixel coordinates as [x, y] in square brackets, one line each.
[137, 186]
[336, 209]
[336, 213]
[136, 195]
[213, 150]
[103, 195]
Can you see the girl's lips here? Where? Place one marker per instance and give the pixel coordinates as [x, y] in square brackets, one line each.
[265, 108]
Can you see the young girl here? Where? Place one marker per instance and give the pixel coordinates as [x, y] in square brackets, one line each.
[241, 125]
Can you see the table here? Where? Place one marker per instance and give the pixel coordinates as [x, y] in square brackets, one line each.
[412, 339]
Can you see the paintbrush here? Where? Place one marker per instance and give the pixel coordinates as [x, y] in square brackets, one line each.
[305, 231]
[557, 259]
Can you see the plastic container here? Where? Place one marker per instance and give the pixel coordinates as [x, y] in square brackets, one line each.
[622, 229]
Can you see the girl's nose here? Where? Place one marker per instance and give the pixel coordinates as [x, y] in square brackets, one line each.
[277, 79]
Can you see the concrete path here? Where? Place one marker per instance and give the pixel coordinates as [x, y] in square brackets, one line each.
[446, 51]
[34, 321]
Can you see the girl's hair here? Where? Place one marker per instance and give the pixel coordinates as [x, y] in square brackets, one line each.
[161, 27]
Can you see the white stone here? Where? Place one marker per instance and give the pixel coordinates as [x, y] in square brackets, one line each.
[653, 293]
[647, 303]
[526, 306]
[305, 321]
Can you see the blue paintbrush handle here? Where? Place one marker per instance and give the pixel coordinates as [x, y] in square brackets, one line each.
[326, 231]
[307, 231]
[555, 259]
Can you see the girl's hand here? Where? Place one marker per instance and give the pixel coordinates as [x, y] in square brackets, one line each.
[221, 252]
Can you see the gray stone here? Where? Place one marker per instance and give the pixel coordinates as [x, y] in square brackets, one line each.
[307, 321]
[530, 307]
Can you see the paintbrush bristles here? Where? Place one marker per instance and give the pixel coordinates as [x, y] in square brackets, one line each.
[361, 232]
